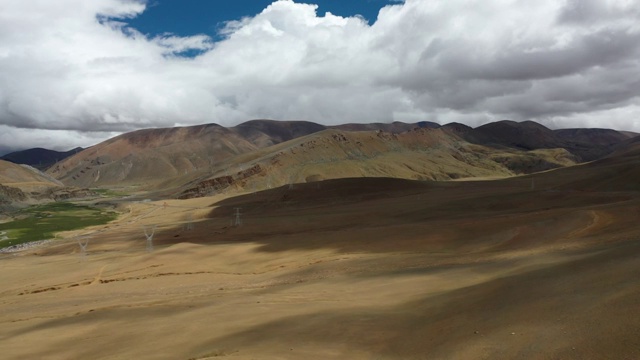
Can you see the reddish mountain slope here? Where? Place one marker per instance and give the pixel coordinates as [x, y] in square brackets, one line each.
[170, 158]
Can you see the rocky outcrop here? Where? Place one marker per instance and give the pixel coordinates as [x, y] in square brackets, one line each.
[217, 184]
[10, 195]
[69, 193]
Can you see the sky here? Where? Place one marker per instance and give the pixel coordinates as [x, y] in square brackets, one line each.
[76, 72]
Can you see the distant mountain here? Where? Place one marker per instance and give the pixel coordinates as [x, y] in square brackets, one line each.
[23, 184]
[262, 153]
[618, 172]
[38, 157]
[631, 145]
[419, 154]
[593, 144]
[394, 127]
[594, 136]
[586, 144]
[526, 135]
[25, 177]
[150, 156]
[164, 157]
[263, 133]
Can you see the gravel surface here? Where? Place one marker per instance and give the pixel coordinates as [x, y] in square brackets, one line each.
[25, 246]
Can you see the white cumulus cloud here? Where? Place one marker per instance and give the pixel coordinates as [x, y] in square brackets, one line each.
[73, 71]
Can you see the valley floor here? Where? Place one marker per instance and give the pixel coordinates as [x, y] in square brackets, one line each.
[351, 269]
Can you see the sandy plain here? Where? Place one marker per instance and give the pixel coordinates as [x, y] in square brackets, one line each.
[344, 269]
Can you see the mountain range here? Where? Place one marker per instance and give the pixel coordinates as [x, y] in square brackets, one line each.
[333, 242]
[191, 159]
[201, 160]
[23, 185]
[39, 158]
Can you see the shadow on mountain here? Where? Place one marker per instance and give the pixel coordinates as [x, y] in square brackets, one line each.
[381, 215]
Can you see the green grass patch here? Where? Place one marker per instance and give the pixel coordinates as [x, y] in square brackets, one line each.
[43, 221]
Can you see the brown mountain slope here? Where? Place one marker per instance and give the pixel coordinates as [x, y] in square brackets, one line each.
[39, 158]
[149, 156]
[263, 133]
[526, 135]
[592, 144]
[146, 158]
[597, 136]
[394, 127]
[170, 158]
[356, 269]
[23, 185]
[620, 172]
[586, 144]
[629, 145]
[424, 154]
[25, 178]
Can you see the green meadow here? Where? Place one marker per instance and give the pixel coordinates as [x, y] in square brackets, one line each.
[44, 221]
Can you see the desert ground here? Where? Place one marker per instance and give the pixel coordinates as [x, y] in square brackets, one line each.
[344, 269]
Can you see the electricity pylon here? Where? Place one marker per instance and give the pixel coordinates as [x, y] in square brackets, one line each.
[238, 221]
[148, 232]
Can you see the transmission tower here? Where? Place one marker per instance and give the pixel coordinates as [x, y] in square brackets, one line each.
[189, 223]
[238, 221]
[83, 242]
[148, 232]
[292, 178]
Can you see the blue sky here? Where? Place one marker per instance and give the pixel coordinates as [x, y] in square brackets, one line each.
[67, 80]
[191, 17]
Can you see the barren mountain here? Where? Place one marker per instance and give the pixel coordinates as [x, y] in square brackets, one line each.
[25, 177]
[22, 184]
[264, 133]
[148, 157]
[619, 172]
[394, 127]
[298, 151]
[422, 154]
[39, 158]
[542, 266]
[585, 144]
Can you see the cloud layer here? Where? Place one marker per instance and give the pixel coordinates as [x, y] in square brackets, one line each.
[73, 72]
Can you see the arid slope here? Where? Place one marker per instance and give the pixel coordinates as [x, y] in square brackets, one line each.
[19, 184]
[165, 159]
[39, 158]
[537, 267]
[421, 154]
[24, 177]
